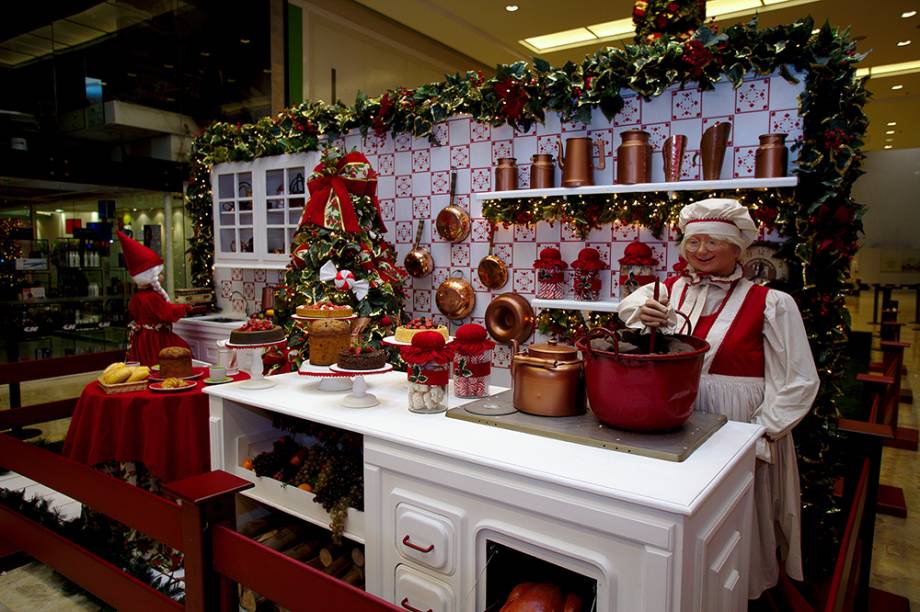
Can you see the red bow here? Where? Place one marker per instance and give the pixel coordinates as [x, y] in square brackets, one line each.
[352, 175]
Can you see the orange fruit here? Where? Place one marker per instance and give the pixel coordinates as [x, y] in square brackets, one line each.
[247, 464]
[305, 486]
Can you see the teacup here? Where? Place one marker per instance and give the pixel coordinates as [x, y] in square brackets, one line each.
[217, 373]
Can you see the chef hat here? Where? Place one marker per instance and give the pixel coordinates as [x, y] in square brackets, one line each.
[720, 218]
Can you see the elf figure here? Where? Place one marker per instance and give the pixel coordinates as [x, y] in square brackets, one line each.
[152, 314]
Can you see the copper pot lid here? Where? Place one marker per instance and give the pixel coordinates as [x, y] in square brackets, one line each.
[553, 351]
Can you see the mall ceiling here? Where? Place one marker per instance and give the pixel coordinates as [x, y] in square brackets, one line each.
[487, 32]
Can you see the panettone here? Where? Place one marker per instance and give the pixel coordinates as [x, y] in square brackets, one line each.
[175, 361]
[328, 337]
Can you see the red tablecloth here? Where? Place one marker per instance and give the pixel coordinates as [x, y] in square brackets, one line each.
[167, 432]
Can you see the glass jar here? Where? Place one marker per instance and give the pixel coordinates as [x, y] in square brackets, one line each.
[549, 284]
[428, 388]
[586, 284]
[471, 374]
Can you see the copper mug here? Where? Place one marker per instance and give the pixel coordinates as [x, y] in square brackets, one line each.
[542, 171]
[673, 153]
[771, 157]
[712, 150]
[634, 158]
[577, 163]
[506, 174]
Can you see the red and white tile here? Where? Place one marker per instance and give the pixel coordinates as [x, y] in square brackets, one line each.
[388, 210]
[686, 104]
[744, 161]
[523, 281]
[404, 186]
[631, 113]
[404, 231]
[421, 160]
[752, 96]
[421, 208]
[460, 156]
[403, 142]
[440, 183]
[385, 164]
[501, 149]
[460, 255]
[481, 179]
[480, 132]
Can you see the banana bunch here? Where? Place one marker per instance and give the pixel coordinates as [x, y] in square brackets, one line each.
[118, 373]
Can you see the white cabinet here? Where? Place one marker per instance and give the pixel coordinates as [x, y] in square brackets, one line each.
[257, 209]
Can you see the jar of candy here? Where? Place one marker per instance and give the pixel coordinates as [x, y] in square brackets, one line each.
[586, 275]
[429, 358]
[550, 274]
[472, 361]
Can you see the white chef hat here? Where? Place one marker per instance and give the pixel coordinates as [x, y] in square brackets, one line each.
[720, 218]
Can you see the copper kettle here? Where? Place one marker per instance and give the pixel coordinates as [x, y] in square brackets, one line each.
[577, 163]
[548, 379]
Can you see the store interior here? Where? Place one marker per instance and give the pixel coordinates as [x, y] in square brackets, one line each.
[198, 127]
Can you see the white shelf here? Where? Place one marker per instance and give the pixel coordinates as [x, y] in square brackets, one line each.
[567, 304]
[745, 183]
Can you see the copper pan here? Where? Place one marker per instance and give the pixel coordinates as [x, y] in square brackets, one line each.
[510, 317]
[455, 297]
[418, 261]
[453, 223]
[492, 270]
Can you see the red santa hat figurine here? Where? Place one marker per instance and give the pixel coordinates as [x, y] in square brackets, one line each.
[152, 314]
[637, 267]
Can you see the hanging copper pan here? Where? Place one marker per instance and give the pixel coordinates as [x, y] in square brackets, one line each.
[510, 317]
[418, 261]
[455, 297]
[492, 270]
[453, 223]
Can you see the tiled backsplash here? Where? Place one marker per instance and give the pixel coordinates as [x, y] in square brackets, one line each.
[415, 179]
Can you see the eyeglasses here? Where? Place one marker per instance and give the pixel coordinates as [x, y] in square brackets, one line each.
[692, 245]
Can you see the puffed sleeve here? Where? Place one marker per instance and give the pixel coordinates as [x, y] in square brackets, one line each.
[632, 303]
[163, 311]
[791, 379]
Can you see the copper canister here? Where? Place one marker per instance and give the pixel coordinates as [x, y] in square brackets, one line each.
[548, 380]
[634, 158]
[506, 174]
[771, 157]
[542, 171]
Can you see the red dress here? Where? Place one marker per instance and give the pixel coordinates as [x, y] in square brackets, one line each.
[151, 327]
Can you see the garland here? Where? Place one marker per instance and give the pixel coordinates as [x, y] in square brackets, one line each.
[569, 325]
[657, 18]
[821, 220]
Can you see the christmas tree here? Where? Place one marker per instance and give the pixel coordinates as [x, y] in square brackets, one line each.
[341, 224]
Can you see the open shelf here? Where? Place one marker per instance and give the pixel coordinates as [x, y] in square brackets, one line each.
[744, 183]
[569, 304]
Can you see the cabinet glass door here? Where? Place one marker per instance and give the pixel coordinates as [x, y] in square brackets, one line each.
[234, 218]
[285, 192]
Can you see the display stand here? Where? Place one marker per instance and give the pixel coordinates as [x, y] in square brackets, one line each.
[257, 380]
[359, 397]
[328, 380]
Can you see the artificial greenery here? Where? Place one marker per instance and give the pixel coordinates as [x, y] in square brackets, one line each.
[820, 221]
[570, 325]
[679, 19]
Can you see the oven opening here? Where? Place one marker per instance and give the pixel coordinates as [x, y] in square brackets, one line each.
[535, 583]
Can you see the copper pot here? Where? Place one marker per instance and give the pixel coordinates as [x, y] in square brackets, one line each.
[453, 223]
[548, 380]
[418, 261]
[510, 318]
[492, 270]
[771, 157]
[506, 174]
[577, 163]
[455, 297]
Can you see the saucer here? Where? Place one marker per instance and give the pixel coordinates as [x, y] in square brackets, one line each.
[218, 381]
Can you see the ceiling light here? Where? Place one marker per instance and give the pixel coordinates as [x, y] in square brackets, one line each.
[903, 43]
[907, 14]
[888, 70]
[816, 30]
[560, 39]
[245, 41]
[613, 28]
[58, 210]
[889, 140]
[717, 8]
[897, 87]
[205, 54]
[889, 132]
[891, 123]
[168, 66]
[887, 146]
[511, 7]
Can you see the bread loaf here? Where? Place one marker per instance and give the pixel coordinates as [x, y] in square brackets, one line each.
[139, 373]
[117, 375]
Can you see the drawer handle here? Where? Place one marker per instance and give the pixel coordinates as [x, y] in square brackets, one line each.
[427, 549]
[405, 604]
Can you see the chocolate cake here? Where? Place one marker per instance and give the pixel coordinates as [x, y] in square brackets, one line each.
[367, 359]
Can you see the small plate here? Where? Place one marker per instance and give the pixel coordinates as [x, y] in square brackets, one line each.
[386, 368]
[217, 381]
[159, 388]
[297, 317]
[155, 368]
[392, 341]
[192, 377]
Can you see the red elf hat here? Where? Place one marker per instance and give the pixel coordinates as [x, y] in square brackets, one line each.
[138, 258]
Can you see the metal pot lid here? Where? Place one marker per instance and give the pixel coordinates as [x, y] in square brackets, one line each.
[553, 350]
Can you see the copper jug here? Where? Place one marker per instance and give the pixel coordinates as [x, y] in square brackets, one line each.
[506, 174]
[634, 158]
[771, 157]
[577, 163]
[542, 171]
[547, 380]
[712, 150]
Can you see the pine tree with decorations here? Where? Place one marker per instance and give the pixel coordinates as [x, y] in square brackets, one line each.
[339, 254]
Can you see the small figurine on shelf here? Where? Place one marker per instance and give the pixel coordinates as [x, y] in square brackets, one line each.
[586, 279]
[549, 267]
[637, 267]
[429, 359]
[472, 361]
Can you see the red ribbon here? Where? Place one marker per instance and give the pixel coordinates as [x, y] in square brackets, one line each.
[477, 370]
[326, 186]
[414, 355]
[436, 377]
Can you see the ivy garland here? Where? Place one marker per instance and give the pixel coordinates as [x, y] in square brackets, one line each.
[821, 220]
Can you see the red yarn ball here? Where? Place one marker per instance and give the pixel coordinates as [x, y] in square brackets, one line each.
[428, 339]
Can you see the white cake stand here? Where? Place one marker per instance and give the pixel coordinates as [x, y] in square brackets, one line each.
[256, 379]
[328, 380]
[359, 397]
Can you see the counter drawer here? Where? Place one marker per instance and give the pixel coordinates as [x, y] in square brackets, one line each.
[425, 537]
[417, 592]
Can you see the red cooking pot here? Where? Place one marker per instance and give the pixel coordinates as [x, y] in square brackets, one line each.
[642, 392]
